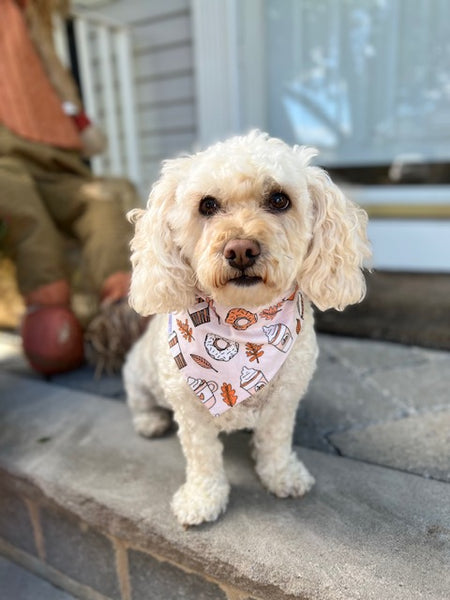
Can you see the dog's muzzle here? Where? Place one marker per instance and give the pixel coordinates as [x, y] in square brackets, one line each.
[241, 254]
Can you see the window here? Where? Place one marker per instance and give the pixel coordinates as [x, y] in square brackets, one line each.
[366, 81]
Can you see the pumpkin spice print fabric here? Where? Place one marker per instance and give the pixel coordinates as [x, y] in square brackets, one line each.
[228, 354]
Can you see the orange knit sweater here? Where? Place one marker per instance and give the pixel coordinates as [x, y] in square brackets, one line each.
[29, 106]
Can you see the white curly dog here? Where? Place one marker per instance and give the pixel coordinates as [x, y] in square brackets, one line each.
[239, 224]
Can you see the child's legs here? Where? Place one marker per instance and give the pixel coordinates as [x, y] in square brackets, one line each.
[93, 211]
[31, 238]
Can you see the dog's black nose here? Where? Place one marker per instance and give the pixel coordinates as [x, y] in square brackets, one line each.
[241, 254]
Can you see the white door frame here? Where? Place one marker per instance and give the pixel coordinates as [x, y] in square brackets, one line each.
[217, 76]
[230, 73]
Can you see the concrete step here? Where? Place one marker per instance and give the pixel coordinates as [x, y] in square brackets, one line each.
[85, 503]
[374, 401]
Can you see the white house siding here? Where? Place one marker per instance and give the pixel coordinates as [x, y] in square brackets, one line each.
[164, 72]
[163, 75]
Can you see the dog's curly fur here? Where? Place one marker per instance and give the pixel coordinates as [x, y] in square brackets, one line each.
[319, 242]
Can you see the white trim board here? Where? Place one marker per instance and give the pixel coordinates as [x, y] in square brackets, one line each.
[399, 194]
[217, 74]
[407, 245]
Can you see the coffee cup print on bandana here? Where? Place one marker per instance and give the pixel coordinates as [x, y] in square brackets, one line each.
[204, 390]
[176, 350]
[200, 315]
[220, 348]
[279, 336]
[252, 380]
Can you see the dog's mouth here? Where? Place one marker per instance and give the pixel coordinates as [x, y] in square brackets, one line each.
[245, 280]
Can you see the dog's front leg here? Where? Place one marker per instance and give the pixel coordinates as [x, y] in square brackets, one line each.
[277, 465]
[205, 494]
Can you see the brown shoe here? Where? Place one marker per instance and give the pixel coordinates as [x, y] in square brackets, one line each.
[50, 294]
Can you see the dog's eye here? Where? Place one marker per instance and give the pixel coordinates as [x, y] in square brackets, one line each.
[278, 202]
[209, 206]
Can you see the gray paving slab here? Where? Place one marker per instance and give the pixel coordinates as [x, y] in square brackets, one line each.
[362, 399]
[364, 532]
[338, 399]
[418, 444]
[366, 356]
[83, 379]
[19, 584]
[412, 378]
[419, 388]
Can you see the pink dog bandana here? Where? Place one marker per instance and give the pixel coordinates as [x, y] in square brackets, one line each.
[228, 354]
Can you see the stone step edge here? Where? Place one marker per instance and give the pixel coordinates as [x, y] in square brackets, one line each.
[35, 500]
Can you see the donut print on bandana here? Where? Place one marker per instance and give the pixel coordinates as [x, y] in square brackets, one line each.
[228, 354]
[241, 319]
[220, 348]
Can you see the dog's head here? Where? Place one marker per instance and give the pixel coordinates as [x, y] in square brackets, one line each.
[242, 222]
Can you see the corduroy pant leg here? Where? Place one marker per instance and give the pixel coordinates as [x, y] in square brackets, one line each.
[93, 210]
[31, 237]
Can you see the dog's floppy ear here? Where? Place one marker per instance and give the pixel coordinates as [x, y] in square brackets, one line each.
[161, 280]
[331, 274]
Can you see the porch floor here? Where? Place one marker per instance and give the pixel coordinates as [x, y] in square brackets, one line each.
[85, 502]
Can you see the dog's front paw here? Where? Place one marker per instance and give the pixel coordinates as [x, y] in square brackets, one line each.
[292, 479]
[204, 500]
